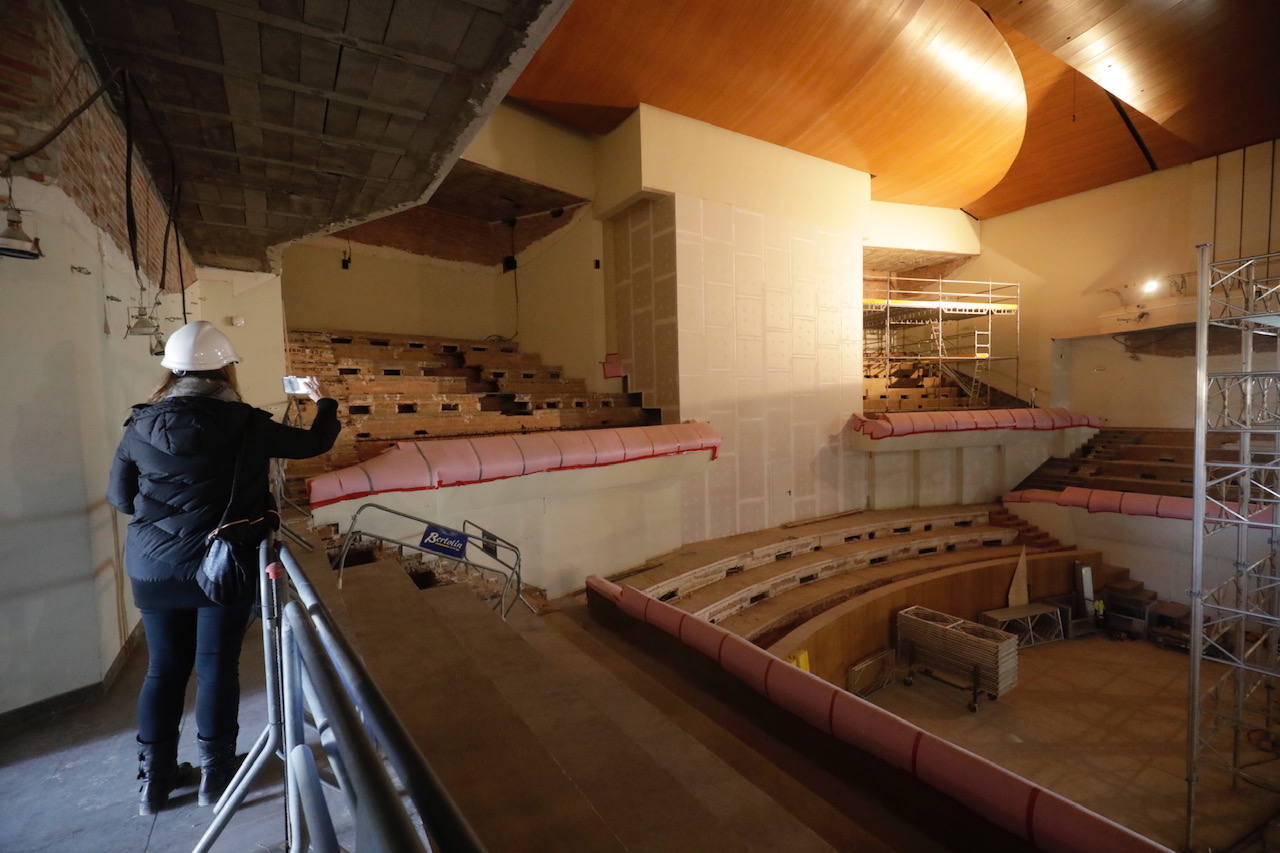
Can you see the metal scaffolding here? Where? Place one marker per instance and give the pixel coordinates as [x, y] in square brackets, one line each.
[945, 325]
[1233, 720]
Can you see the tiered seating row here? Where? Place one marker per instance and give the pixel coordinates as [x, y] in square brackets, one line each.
[737, 592]
[897, 387]
[703, 563]
[1036, 814]
[771, 618]
[399, 387]
[415, 465]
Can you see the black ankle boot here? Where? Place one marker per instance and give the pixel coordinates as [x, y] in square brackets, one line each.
[217, 765]
[159, 772]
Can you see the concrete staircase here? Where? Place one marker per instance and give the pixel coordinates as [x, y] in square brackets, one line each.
[1033, 537]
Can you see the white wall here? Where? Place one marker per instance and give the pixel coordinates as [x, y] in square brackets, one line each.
[567, 524]
[220, 295]
[391, 290]
[68, 385]
[892, 225]
[561, 311]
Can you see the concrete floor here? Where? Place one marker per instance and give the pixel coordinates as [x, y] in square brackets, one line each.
[1102, 723]
[68, 783]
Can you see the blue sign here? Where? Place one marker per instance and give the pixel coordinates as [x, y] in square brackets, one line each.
[445, 541]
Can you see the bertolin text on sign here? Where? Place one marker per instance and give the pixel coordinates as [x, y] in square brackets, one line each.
[445, 541]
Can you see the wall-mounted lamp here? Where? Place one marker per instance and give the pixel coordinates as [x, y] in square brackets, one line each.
[142, 324]
[14, 242]
[1151, 285]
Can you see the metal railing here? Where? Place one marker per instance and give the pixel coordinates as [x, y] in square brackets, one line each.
[502, 552]
[312, 673]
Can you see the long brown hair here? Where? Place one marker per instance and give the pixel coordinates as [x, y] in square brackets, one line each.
[225, 374]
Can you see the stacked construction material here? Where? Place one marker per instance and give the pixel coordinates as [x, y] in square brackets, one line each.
[935, 640]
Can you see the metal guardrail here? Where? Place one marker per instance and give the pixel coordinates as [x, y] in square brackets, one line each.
[312, 672]
[501, 551]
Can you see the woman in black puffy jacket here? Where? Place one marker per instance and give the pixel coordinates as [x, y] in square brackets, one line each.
[173, 473]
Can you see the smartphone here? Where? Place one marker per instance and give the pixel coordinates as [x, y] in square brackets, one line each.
[293, 385]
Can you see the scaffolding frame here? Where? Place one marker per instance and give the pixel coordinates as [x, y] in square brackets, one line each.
[904, 302]
[1235, 626]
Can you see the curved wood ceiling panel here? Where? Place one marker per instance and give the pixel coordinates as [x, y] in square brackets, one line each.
[1206, 70]
[923, 94]
[1076, 139]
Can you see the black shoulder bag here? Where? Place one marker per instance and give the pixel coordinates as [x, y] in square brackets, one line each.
[228, 570]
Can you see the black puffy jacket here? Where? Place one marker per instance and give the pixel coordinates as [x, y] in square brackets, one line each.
[173, 473]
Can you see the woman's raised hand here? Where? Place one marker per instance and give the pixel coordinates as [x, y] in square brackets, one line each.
[311, 386]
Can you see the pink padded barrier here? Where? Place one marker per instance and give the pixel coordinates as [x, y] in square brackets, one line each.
[1007, 800]
[607, 588]
[1056, 826]
[886, 736]
[962, 420]
[1125, 503]
[971, 779]
[747, 662]
[803, 694]
[413, 465]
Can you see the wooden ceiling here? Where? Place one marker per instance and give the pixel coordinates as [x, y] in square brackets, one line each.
[914, 91]
[1076, 137]
[284, 116]
[1207, 71]
[923, 94]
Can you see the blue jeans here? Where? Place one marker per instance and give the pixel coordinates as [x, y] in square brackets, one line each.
[208, 637]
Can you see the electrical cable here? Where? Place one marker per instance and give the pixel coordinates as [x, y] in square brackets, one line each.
[130, 218]
[41, 143]
[515, 280]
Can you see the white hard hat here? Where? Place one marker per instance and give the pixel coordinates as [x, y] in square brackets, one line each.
[198, 346]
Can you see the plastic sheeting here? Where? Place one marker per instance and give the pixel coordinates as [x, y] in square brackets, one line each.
[414, 465]
[912, 423]
[1048, 821]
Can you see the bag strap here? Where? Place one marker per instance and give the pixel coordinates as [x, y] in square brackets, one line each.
[235, 479]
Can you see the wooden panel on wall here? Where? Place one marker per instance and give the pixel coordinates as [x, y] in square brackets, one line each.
[862, 626]
[926, 95]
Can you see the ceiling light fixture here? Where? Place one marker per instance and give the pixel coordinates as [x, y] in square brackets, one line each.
[1151, 285]
[142, 324]
[14, 242]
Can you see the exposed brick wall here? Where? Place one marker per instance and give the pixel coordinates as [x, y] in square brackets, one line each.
[423, 230]
[44, 74]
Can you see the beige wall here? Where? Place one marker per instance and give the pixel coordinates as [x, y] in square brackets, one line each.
[388, 290]
[642, 268]
[255, 298]
[935, 469]
[682, 155]
[562, 295]
[536, 149]
[1084, 256]
[929, 229]
[69, 379]
[769, 330]
[567, 524]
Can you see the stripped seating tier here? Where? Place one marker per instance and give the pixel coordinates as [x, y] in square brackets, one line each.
[696, 565]
[737, 592]
[779, 613]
